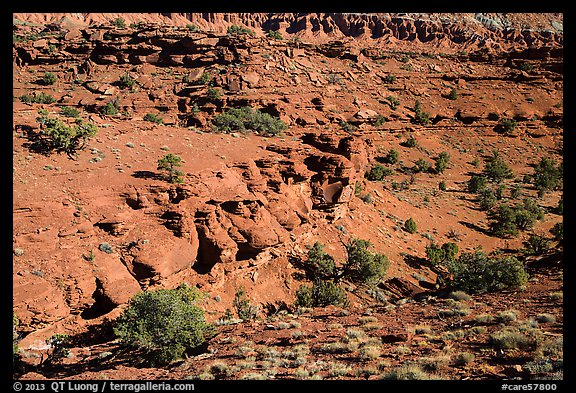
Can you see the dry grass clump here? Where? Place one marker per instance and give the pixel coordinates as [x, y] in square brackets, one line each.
[407, 372]
[463, 358]
[545, 318]
[370, 352]
[506, 316]
[459, 295]
[515, 338]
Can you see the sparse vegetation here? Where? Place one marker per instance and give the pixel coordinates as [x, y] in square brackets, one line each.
[506, 126]
[49, 78]
[244, 309]
[69, 112]
[378, 172]
[276, 35]
[240, 30]
[119, 23]
[168, 164]
[39, 98]
[247, 119]
[441, 162]
[496, 168]
[547, 176]
[56, 135]
[391, 157]
[410, 225]
[126, 82]
[111, 108]
[153, 118]
[453, 95]
[420, 117]
[394, 102]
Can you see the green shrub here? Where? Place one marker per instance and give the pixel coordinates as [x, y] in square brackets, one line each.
[111, 108]
[244, 309]
[246, 119]
[487, 199]
[506, 126]
[499, 193]
[560, 207]
[389, 79]
[213, 94]
[379, 121]
[49, 78]
[239, 30]
[477, 273]
[410, 226]
[558, 231]
[15, 338]
[40, 98]
[192, 28]
[527, 213]
[496, 168]
[164, 324]
[378, 172]
[321, 294]
[204, 79]
[503, 221]
[69, 112]
[536, 245]
[363, 265]
[407, 372]
[56, 135]
[410, 142]
[442, 186]
[321, 263]
[441, 162]
[420, 117]
[512, 338]
[422, 165]
[126, 82]
[525, 66]
[153, 118]
[394, 102]
[441, 255]
[453, 95]
[547, 176]
[59, 345]
[391, 157]
[348, 127]
[168, 163]
[276, 35]
[119, 23]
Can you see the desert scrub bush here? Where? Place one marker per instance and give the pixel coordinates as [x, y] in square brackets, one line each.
[410, 142]
[106, 247]
[247, 119]
[496, 168]
[119, 23]
[369, 352]
[40, 98]
[321, 294]
[558, 231]
[475, 272]
[362, 265]
[459, 295]
[153, 118]
[506, 220]
[463, 358]
[506, 126]
[435, 363]
[547, 176]
[168, 164]
[536, 245]
[442, 185]
[348, 127]
[476, 184]
[164, 324]
[512, 338]
[191, 27]
[379, 121]
[422, 165]
[244, 309]
[393, 101]
[410, 225]
[391, 157]
[545, 318]
[15, 337]
[487, 199]
[213, 94]
[506, 316]
[59, 348]
[69, 112]
[406, 372]
[111, 108]
[484, 319]
[378, 172]
[321, 264]
[389, 79]
[275, 35]
[441, 162]
[56, 135]
[437, 255]
[126, 82]
[239, 30]
[335, 347]
[49, 78]
[420, 117]
[453, 95]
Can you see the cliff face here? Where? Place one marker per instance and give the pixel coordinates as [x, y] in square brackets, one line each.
[441, 30]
